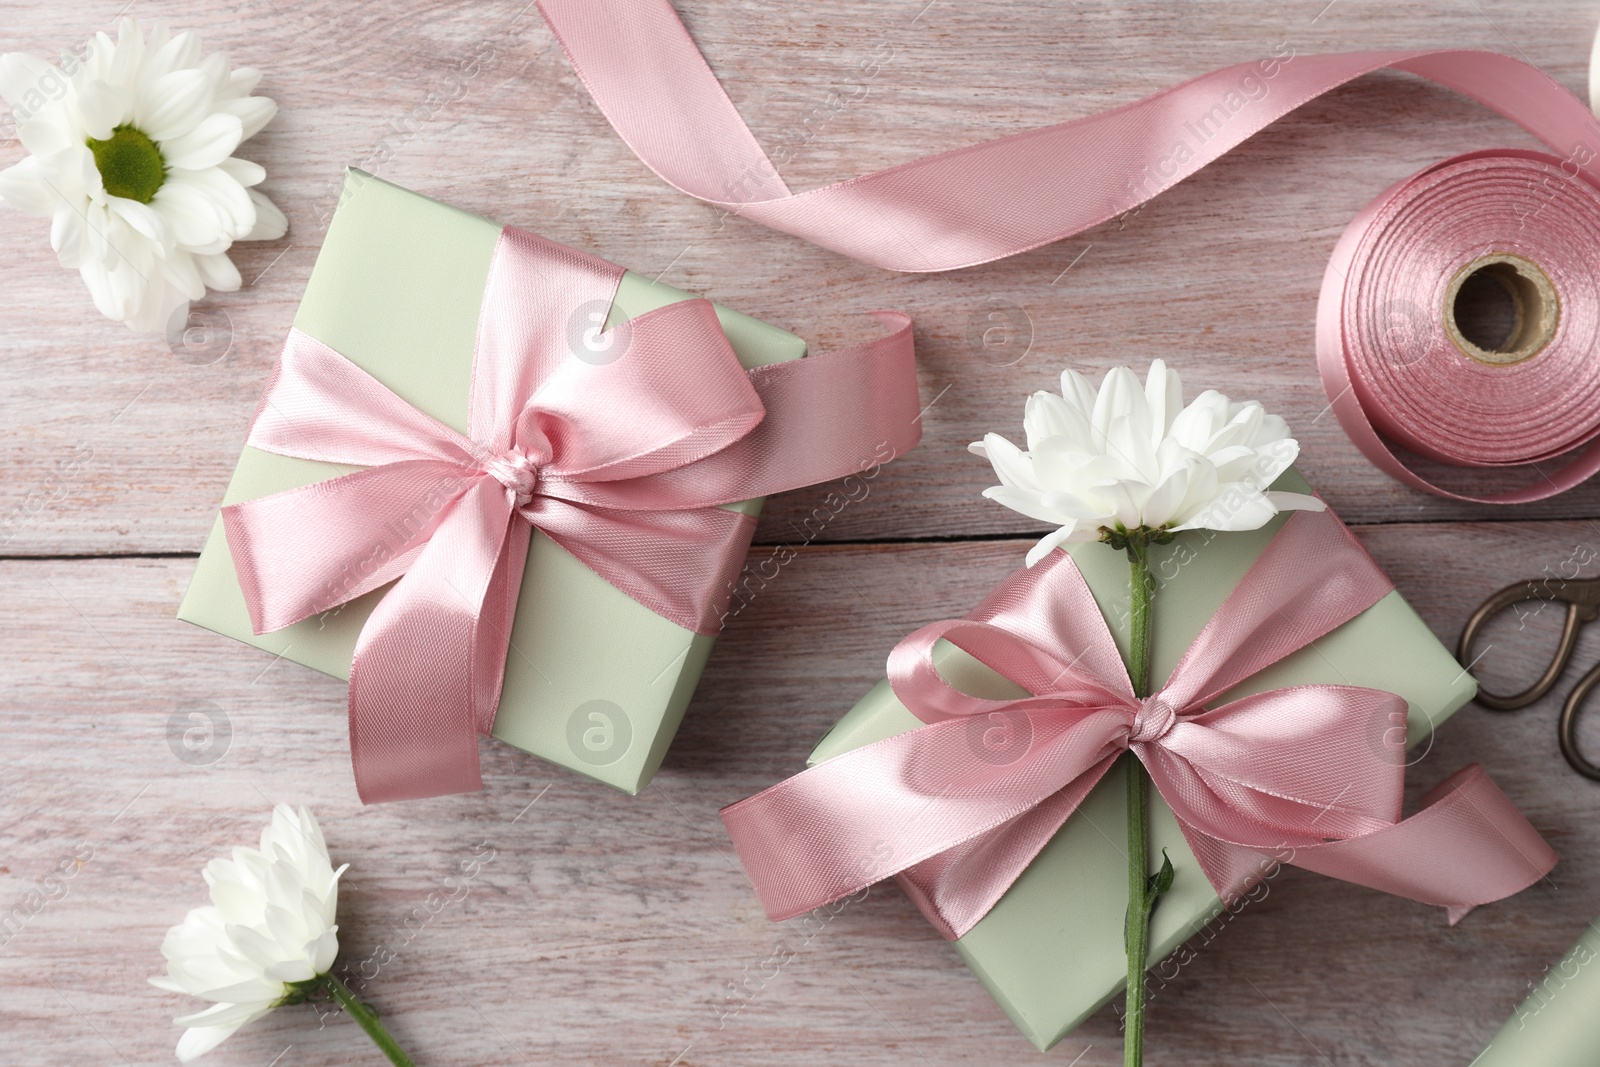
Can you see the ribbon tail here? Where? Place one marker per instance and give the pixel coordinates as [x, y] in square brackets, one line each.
[1231, 869]
[869, 814]
[492, 637]
[828, 415]
[414, 733]
[682, 565]
[1469, 845]
[634, 60]
[959, 886]
[306, 550]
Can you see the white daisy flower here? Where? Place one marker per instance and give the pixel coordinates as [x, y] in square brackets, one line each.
[131, 158]
[1125, 460]
[267, 938]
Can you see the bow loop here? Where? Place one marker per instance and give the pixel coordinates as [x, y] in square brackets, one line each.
[1021, 674]
[672, 410]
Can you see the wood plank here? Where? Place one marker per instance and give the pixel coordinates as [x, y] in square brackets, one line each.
[607, 929]
[1219, 276]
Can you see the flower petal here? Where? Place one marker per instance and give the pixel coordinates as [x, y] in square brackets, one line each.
[1121, 396]
[235, 210]
[24, 186]
[271, 223]
[253, 112]
[208, 144]
[1048, 415]
[176, 54]
[98, 108]
[1053, 540]
[242, 80]
[1076, 391]
[1023, 503]
[140, 216]
[243, 171]
[1129, 441]
[225, 1014]
[192, 215]
[22, 74]
[1236, 507]
[67, 236]
[45, 135]
[1162, 505]
[218, 272]
[173, 105]
[1163, 391]
[1011, 464]
[123, 68]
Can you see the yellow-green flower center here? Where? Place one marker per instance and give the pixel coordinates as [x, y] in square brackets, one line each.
[130, 164]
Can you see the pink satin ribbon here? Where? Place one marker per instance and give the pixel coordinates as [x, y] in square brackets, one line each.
[622, 463]
[959, 807]
[996, 199]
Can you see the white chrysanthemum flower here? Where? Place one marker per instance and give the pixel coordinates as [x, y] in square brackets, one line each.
[131, 158]
[269, 927]
[1128, 459]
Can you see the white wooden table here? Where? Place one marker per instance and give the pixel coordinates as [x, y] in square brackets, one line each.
[609, 929]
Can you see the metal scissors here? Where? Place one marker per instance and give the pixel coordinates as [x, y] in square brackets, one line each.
[1582, 598]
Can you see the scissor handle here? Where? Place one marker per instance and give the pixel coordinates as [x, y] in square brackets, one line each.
[1568, 730]
[1580, 609]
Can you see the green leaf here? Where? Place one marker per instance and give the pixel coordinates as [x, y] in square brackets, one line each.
[1161, 881]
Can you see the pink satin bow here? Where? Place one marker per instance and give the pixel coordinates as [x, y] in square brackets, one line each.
[959, 807]
[621, 459]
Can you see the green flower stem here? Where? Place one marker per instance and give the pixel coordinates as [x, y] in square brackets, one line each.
[1142, 891]
[367, 1018]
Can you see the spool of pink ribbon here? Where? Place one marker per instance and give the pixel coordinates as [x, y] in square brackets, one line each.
[1399, 370]
[1403, 369]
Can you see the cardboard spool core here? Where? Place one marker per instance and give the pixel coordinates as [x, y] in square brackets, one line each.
[1534, 305]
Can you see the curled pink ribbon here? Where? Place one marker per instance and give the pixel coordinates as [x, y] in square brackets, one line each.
[1314, 771]
[1005, 196]
[621, 461]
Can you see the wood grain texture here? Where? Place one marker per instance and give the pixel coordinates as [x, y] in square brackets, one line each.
[613, 930]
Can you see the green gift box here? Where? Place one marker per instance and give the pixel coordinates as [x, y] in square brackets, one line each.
[595, 681]
[1558, 1025]
[1051, 966]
